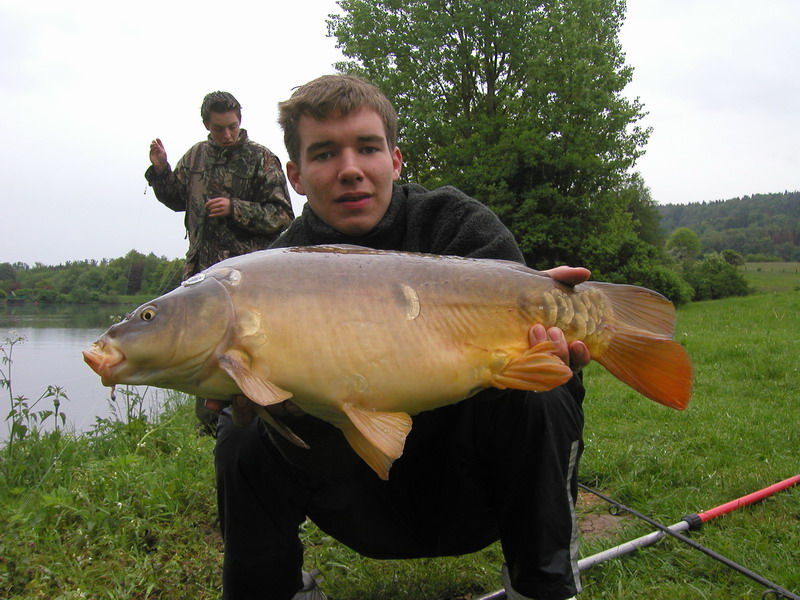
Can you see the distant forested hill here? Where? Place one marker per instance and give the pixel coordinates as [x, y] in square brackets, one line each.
[762, 224]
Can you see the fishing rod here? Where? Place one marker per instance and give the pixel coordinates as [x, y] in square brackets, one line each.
[689, 522]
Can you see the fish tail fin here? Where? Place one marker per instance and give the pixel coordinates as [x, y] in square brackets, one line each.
[654, 366]
[641, 352]
[536, 370]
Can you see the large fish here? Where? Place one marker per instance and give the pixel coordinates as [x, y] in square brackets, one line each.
[364, 338]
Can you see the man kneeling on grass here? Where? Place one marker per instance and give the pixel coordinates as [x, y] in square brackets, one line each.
[499, 465]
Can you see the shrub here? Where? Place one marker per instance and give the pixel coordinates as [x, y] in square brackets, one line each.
[713, 277]
[660, 278]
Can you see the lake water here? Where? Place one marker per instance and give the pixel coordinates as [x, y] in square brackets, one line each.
[54, 336]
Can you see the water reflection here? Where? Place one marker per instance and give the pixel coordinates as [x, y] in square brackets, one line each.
[54, 336]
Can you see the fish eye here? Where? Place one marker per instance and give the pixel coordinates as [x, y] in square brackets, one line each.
[148, 314]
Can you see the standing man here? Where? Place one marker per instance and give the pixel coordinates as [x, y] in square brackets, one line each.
[499, 465]
[232, 190]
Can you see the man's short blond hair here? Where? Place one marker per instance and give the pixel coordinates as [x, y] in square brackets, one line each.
[333, 96]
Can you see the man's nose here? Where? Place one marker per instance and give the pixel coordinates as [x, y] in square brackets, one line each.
[349, 169]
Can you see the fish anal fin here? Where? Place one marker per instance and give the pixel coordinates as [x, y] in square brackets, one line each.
[259, 390]
[537, 369]
[280, 427]
[656, 367]
[377, 437]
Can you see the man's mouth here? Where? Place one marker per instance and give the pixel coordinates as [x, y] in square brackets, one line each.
[352, 199]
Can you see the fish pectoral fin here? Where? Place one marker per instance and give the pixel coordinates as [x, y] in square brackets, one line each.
[261, 391]
[377, 437]
[536, 370]
[280, 427]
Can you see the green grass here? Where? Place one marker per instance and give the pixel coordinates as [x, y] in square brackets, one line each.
[128, 511]
[739, 435]
[773, 276]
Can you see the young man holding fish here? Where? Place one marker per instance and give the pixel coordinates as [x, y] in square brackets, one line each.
[499, 465]
[232, 190]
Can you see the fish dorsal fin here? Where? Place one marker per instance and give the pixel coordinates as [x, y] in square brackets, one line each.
[261, 391]
[377, 437]
[536, 370]
[280, 427]
[639, 307]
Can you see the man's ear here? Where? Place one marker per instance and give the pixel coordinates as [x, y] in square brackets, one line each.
[293, 175]
[397, 163]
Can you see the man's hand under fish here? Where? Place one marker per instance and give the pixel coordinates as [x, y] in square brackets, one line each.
[576, 354]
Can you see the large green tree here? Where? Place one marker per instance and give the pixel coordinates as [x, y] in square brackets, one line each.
[517, 102]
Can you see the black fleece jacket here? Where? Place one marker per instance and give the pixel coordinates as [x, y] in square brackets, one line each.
[442, 221]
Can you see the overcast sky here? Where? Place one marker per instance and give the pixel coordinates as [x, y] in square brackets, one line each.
[85, 86]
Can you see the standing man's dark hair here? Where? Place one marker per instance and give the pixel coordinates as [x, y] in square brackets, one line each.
[232, 190]
[219, 102]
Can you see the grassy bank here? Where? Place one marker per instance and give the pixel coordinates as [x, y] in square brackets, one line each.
[128, 510]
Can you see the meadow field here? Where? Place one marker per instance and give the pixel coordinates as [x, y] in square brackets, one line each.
[128, 510]
[773, 276]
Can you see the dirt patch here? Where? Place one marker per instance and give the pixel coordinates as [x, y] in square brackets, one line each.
[594, 518]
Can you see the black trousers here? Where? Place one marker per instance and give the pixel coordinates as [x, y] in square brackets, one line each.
[500, 465]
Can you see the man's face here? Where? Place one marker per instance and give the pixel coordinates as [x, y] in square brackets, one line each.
[346, 170]
[224, 127]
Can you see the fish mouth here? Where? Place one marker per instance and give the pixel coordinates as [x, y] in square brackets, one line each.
[102, 358]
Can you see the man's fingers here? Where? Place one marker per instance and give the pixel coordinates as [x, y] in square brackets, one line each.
[539, 334]
[569, 275]
[575, 354]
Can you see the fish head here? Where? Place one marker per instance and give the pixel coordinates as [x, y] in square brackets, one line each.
[167, 342]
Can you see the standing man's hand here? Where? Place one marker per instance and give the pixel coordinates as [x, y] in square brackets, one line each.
[218, 207]
[158, 156]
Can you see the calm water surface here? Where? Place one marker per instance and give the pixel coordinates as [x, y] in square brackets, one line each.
[51, 355]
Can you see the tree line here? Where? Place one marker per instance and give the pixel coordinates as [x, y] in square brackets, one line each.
[761, 227]
[84, 281]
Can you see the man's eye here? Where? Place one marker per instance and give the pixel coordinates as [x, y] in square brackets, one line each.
[323, 156]
[370, 150]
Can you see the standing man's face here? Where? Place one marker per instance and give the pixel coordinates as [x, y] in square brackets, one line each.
[224, 127]
[346, 170]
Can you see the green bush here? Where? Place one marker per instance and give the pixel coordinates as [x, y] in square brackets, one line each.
[46, 295]
[637, 263]
[713, 277]
[660, 278]
[733, 257]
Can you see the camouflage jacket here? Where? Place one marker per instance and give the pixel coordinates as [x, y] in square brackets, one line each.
[247, 173]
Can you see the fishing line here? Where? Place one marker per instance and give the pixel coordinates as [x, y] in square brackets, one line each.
[773, 589]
